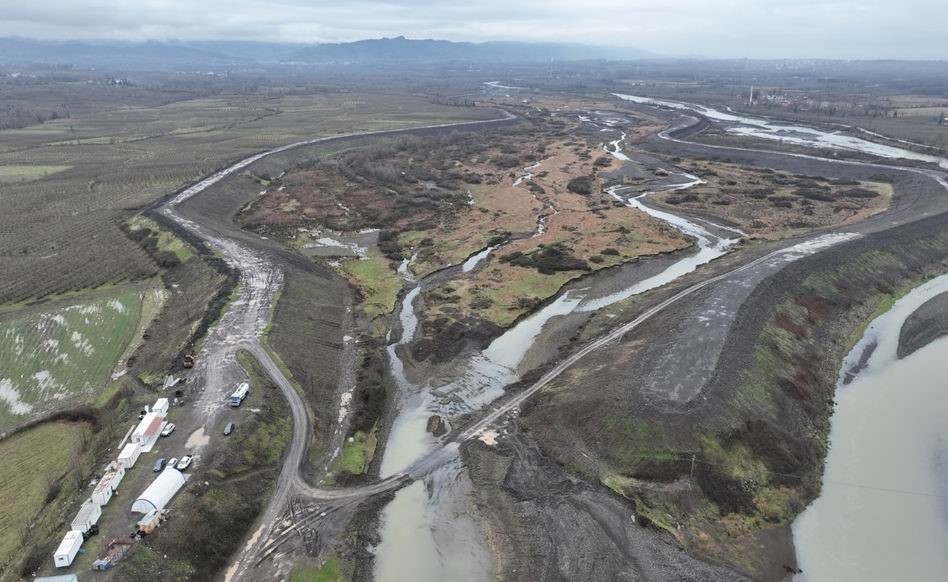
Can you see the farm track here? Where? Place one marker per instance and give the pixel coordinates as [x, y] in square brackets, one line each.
[242, 326]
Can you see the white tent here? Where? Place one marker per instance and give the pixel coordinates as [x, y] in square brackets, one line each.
[160, 492]
[68, 548]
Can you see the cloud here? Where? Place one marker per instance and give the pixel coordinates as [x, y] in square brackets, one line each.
[712, 28]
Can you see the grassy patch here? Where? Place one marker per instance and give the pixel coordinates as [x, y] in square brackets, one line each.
[166, 240]
[61, 357]
[735, 458]
[330, 571]
[379, 284]
[33, 461]
[14, 173]
[358, 452]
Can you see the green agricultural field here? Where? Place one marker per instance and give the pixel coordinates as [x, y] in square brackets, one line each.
[34, 462]
[14, 174]
[61, 357]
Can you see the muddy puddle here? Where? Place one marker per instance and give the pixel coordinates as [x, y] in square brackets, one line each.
[883, 511]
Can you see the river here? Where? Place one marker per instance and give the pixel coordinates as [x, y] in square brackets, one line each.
[882, 514]
[791, 134]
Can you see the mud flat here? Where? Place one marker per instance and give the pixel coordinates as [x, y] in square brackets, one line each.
[928, 323]
[882, 513]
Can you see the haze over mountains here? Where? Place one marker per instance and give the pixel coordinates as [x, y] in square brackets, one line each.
[234, 54]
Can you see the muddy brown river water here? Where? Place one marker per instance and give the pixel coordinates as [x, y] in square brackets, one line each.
[883, 511]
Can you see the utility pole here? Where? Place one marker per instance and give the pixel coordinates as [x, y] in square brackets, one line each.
[692, 466]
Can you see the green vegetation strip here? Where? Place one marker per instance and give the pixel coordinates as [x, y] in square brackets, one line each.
[166, 240]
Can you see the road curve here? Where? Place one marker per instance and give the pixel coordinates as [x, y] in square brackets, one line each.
[242, 326]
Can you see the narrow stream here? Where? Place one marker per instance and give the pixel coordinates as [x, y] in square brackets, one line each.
[425, 530]
[883, 511]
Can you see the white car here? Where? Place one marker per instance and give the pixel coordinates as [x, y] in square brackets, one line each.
[173, 463]
[184, 463]
[169, 428]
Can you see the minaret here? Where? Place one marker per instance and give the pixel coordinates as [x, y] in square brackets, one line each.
[750, 100]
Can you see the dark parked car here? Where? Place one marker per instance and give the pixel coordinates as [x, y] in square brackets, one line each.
[159, 465]
[229, 428]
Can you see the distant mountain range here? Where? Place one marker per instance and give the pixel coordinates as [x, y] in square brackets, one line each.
[401, 49]
[175, 55]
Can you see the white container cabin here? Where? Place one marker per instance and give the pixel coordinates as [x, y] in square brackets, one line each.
[68, 548]
[161, 405]
[129, 455]
[148, 430]
[109, 483]
[88, 516]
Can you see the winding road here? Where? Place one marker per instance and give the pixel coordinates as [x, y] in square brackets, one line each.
[244, 322]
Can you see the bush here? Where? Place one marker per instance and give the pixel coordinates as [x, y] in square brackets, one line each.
[506, 162]
[548, 260]
[603, 162]
[580, 185]
[859, 193]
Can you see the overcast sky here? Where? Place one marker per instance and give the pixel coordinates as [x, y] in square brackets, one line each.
[709, 28]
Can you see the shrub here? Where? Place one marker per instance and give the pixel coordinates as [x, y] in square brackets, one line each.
[859, 193]
[580, 185]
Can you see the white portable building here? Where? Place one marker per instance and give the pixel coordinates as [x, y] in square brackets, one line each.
[129, 455]
[148, 430]
[161, 405]
[63, 578]
[160, 492]
[88, 516]
[68, 548]
[109, 483]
